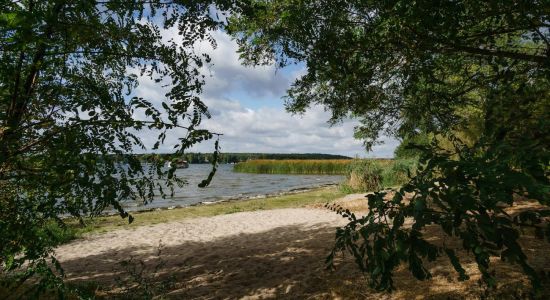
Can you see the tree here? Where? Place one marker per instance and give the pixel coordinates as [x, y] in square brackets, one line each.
[70, 117]
[409, 68]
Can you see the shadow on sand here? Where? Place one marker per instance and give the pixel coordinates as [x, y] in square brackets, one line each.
[283, 263]
[279, 263]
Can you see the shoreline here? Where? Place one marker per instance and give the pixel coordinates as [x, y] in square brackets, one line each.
[300, 190]
[275, 253]
[297, 198]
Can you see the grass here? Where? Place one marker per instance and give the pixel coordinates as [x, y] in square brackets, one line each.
[109, 223]
[294, 166]
[368, 175]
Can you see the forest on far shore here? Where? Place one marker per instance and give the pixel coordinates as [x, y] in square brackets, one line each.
[227, 158]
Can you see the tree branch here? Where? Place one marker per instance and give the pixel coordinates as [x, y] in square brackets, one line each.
[539, 59]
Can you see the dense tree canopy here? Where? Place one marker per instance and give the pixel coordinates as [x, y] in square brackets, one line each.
[394, 64]
[69, 114]
[473, 76]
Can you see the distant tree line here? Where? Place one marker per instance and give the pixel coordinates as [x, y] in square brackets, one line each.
[204, 158]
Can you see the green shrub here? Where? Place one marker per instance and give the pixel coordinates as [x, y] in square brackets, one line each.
[373, 175]
[399, 172]
[365, 175]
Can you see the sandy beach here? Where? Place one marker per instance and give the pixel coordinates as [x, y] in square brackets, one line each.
[275, 254]
[244, 255]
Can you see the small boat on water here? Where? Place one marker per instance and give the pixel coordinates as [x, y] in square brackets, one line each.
[180, 164]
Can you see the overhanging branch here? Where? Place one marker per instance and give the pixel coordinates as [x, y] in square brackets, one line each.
[539, 59]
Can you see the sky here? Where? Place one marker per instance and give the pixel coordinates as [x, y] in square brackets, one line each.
[247, 108]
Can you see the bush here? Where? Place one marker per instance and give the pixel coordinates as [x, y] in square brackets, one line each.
[374, 175]
[399, 172]
[364, 175]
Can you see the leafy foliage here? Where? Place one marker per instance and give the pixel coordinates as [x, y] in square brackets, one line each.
[69, 112]
[472, 76]
[367, 175]
[467, 198]
[397, 66]
[408, 146]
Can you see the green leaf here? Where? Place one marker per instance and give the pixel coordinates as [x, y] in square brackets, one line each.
[456, 265]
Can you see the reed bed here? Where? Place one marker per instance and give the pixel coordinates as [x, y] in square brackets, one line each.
[295, 166]
[362, 175]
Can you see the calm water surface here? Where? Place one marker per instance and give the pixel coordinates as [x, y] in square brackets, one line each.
[231, 185]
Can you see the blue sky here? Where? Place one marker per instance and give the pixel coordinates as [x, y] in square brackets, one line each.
[247, 107]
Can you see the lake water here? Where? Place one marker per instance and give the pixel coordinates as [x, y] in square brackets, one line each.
[231, 185]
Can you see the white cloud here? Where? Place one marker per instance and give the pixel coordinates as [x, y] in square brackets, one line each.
[276, 131]
[228, 74]
[260, 127]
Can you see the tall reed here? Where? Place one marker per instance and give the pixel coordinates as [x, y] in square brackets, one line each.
[291, 166]
[363, 175]
[366, 175]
